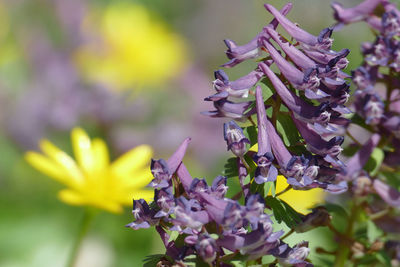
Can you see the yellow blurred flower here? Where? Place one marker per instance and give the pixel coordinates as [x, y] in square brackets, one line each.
[92, 180]
[136, 49]
[300, 200]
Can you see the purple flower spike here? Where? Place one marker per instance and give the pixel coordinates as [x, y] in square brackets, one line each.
[265, 172]
[357, 13]
[389, 194]
[235, 138]
[357, 162]
[239, 88]
[238, 54]
[226, 108]
[206, 247]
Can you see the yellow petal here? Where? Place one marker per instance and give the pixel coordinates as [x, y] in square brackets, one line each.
[132, 160]
[300, 200]
[100, 153]
[72, 197]
[63, 161]
[138, 179]
[147, 195]
[81, 145]
[46, 166]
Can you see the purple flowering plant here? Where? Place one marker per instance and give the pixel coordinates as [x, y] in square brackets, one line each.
[293, 110]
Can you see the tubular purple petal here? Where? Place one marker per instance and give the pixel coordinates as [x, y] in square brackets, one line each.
[353, 14]
[176, 158]
[294, 31]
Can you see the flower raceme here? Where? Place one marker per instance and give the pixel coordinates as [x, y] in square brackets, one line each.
[91, 178]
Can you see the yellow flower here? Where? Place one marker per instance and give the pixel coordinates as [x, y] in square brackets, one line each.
[300, 200]
[92, 180]
[136, 49]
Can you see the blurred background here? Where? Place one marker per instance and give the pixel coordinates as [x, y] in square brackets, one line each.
[130, 72]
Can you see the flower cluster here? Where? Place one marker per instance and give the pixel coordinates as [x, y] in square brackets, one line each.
[208, 223]
[377, 110]
[311, 86]
[301, 124]
[376, 99]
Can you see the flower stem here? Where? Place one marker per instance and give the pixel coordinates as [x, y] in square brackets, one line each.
[342, 254]
[83, 229]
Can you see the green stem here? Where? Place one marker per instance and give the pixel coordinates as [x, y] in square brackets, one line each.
[288, 234]
[343, 251]
[83, 229]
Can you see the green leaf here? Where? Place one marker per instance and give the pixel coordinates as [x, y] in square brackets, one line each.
[283, 212]
[373, 232]
[251, 133]
[287, 130]
[393, 179]
[269, 186]
[173, 236]
[230, 168]
[340, 216]
[266, 86]
[375, 161]
[384, 258]
[237, 259]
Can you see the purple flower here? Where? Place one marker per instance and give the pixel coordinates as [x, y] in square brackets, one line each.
[237, 54]
[296, 256]
[143, 214]
[163, 170]
[206, 247]
[229, 109]
[239, 88]
[357, 162]
[357, 13]
[307, 40]
[235, 138]
[308, 82]
[389, 194]
[265, 171]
